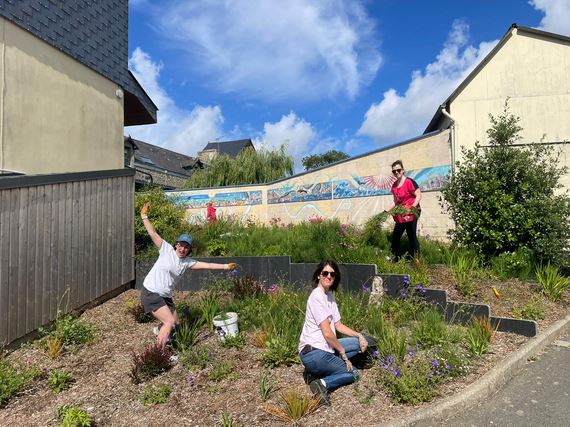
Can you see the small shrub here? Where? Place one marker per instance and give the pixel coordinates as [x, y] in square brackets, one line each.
[217, 247]
[226, 421]
[185, 336]
[198, 357]
[156, 394]
[150, 363]
[59, 381]
[53, 345]
[221, 371]
[73, 331]
[479, 335]
[280, 351]
[292, 405]
[552, 283]
[259, 338]
[532, 310]
[513, 264]
[430, 330]
[236, 341]
[266, 386]
[463, 267]
[246, 286]
[72, 416]
[13, 379]
[135, 309]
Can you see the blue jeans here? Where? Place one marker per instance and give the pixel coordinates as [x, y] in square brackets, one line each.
[330, 367]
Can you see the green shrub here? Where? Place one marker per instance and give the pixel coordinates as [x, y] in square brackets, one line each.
[222, 370]
[73, 331]
[59, 381]
[198, 357]
[513, 264]
[504, 197]
[238, 340]
[166, 215]
[217, 247]
[479, 334]
[154, 395]
[266, 386]
[151, 362]
[430, 330]
[552, 283]
[72, 416]
[532, 310]
[13, 379]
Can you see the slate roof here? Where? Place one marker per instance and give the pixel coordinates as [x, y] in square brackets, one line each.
[231, 148]
[439, 121]
[152, 157]
[94, 33]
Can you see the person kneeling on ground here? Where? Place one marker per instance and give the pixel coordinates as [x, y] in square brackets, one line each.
[322, 354]
[172, 262]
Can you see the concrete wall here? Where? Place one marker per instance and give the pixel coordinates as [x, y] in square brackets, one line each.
[56, 115]
[534, 72]
[352, 190]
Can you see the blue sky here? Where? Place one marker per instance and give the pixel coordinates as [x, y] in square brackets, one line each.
[350, 75]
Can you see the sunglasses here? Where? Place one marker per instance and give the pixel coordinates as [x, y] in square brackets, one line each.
[326, 274]
[395, 171]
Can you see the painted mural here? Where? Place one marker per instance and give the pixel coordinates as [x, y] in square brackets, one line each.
[240, 198]
[429, 179]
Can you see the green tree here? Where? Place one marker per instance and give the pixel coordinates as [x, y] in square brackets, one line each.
[505, 197]
[317, 160]
[249, 167]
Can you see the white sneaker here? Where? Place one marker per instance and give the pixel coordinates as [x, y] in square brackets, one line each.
[174, 358]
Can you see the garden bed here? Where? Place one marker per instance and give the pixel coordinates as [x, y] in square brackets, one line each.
[102, 385]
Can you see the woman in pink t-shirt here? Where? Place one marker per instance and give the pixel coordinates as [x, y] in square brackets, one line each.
[407, 194]
[322, 354]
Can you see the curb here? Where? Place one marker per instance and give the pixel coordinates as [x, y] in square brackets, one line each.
[487, 384]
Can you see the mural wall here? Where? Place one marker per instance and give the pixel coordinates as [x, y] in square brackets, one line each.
[352, 190]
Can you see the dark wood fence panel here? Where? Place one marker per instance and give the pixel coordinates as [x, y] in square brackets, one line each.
[65, 240]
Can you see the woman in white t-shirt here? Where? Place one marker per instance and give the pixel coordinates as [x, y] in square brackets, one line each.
[322, 354]
[172, 262]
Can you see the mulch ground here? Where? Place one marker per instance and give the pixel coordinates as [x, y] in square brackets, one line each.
[103, 387]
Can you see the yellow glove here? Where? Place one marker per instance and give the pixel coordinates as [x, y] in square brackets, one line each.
[232, 266]
[362, 342]
[344, 357]
[145, 209]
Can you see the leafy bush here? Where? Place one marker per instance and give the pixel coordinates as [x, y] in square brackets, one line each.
[236, 341]
[292, 405]
[532, 310]
[13, 379]
[153, 361]
[59, 381]
[513, 264]
[166, 215]
[430, 329]
[222, 370]
[552, 283]
[73, 331]
[503, 197]
[72, 416]
[154, 395]
[198, 357]
[185, 335]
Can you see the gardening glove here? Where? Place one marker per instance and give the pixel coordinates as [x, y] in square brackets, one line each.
[232, 266]
[363, 342]
[145, 209]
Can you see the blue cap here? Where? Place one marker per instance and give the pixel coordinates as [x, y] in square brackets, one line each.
[185, 238]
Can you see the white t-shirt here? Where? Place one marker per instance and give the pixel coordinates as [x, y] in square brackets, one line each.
[320, 306]
[166, 271]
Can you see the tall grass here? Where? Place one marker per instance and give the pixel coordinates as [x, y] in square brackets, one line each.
[552, 283]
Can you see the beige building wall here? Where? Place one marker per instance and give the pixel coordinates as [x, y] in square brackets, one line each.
[56, 115]
[534, 72]
[348, 191]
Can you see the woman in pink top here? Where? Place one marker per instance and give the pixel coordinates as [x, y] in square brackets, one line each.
[408, 195]
[322, 354]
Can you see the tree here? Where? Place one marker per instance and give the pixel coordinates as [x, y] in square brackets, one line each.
[249, 167]
[505, 197]
[317, 160]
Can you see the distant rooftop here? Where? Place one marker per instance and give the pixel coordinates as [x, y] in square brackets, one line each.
[231, 148]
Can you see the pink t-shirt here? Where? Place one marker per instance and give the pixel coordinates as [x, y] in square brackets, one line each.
[405, 196]
[320, 306]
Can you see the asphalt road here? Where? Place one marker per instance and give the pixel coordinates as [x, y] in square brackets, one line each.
[538, 396]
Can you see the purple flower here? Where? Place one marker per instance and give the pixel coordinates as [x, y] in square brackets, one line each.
[403, 293]
[365, 289]
[435, 363]
[234, 272]
[191, 380]
[407, 280]
[397, 373]
[411, 352]
[186, 311]
[447, 366]
[375, 353]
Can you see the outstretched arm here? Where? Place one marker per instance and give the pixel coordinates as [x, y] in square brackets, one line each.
[213, 266]
[156, 239]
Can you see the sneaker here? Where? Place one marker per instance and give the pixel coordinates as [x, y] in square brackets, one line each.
[318, 389]
[308, 377]
[174, 358]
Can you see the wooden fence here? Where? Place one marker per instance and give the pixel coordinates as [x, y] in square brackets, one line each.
[59, 232]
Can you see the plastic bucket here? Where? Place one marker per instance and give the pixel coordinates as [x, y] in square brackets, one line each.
[226, 325]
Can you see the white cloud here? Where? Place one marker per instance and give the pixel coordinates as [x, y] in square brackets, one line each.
[556, 15]
[275, 50]
[397, 117]
[295, 133]
[177, 129]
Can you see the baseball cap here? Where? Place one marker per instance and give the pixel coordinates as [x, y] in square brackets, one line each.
[185, 238]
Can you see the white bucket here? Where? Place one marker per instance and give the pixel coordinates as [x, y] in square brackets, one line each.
[226, 325]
